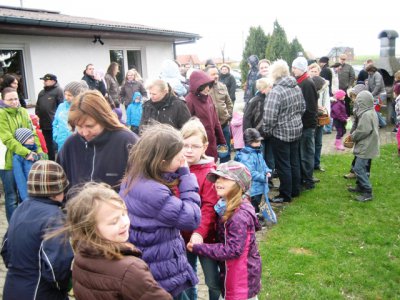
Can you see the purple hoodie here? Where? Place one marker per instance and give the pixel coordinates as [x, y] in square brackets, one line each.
[338, 111]
[238, 250]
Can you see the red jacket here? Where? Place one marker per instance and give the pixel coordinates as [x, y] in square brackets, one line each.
[209, 198]
[202, 106]
[35, 122]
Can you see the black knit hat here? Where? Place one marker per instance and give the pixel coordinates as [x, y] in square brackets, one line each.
[46, 178]
[23, 134]
[251, 135]
[324, 59]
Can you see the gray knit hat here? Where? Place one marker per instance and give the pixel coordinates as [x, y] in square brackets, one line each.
[23, 134]
[76, 87]
[46, 178]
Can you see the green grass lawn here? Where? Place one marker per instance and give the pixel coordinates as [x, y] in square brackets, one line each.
[327, 246]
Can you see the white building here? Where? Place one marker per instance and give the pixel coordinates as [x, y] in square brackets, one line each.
[35, 42]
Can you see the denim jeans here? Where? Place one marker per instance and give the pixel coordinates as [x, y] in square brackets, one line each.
[360, 169]
[287, 163]
[182, 296]
[328, 128]
[268, 153]
[318, 146]
[10, 192]
[307, 151]
[227, 134]
[211, 276]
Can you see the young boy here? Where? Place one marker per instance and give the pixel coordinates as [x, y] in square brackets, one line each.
[366, 143]
[251, 157]
[22, 166]
[134, 112]
[38, 268]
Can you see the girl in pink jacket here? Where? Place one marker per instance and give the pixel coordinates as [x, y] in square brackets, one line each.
[237, 251]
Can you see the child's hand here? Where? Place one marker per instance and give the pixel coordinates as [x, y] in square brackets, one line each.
[189, 246]
[196, 239]
[184, 162]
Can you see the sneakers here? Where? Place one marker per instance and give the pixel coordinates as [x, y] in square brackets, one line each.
[350, 176]
[316, 180]
[364, 197]
[319, 168]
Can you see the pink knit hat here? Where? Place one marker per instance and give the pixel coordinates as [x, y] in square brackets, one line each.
[339, 94]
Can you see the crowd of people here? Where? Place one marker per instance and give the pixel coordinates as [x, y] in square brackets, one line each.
[149, 194]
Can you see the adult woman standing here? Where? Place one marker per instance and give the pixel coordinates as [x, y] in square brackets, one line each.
[112, 82]
[13, 82]
[99, 149]
[12, 117]
[132, 83]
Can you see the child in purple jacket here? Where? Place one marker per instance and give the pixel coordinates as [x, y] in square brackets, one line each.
[339, 116]
[237, 251]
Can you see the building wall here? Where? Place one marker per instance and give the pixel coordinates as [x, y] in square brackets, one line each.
[67, 57]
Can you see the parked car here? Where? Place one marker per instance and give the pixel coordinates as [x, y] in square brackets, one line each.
[238, 78]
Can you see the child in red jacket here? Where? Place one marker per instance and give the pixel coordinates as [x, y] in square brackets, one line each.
[194, 148]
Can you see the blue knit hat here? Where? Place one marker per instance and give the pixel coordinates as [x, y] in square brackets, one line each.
[23, 134]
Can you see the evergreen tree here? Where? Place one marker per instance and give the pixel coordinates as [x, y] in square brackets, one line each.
[278, 46]
[256, 43]
[295, 49]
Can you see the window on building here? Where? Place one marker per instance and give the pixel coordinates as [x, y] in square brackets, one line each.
[127, 59]
[12, 62]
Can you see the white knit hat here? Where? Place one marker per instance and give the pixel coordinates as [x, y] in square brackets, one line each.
[300, 63]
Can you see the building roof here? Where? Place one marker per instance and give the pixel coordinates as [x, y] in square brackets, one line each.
[15, 20]
[188, 59]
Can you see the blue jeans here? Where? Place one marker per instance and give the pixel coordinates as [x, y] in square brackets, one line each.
[318, 146]
[307, 152]
[227, 134]
[211, 276]
[10, 192]
[328, 128]
[360, 169]
[268, 153]
[182, 296]
[287, 163]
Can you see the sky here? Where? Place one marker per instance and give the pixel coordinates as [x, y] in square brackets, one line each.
[224, 24]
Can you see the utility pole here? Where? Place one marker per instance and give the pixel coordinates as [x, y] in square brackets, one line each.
[21, 3]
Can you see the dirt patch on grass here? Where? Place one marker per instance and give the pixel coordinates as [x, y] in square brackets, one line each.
[300, 251]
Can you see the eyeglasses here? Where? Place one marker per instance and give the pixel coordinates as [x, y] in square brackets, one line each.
[11, 100]
[193, 147]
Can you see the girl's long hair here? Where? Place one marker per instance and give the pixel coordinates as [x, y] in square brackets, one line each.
[92, 104]
[149, 157]
[233, 201]
[81, 224]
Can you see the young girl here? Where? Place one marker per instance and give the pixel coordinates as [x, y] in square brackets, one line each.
[339, 116]
[105, 264]
[241, 270]
[157, 173]
[194, 148]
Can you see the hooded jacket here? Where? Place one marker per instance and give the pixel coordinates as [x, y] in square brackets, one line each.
[96, 277]
[252, 60]
[238, 253]
[170, 73]
[37, 268]
[283, 110]
[10, 120]
[157, 216]
[202, 106]
[254, 161]
[366, 134]
[102, 159]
